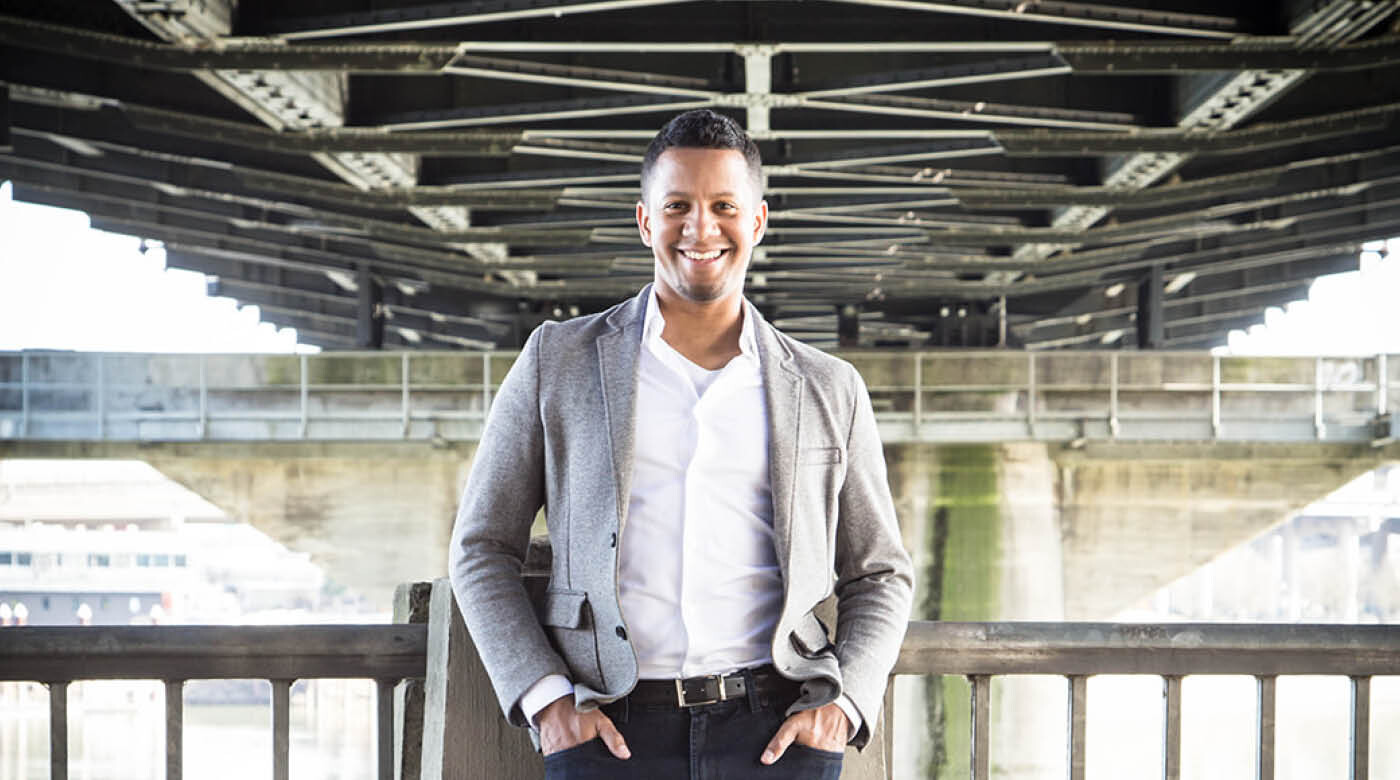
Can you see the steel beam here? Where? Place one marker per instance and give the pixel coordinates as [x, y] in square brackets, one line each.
[445, 15]
[1078, 14]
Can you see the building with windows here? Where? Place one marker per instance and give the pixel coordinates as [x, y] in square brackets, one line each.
[117, 543]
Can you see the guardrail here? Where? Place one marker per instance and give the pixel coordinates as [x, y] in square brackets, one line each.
[463, 729]
[952, 396]
[1172, 651]
[58, 656]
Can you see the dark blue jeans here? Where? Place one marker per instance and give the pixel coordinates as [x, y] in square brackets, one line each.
[715, 742]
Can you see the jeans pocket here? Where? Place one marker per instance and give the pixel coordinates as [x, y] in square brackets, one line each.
[829, 755]
[574, 750]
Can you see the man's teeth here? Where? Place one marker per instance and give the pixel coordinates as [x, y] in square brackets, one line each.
[701, 255]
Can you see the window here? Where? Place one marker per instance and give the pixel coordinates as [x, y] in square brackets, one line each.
[143, 559]
[161, 559]
[24, 559]
[6, 558]
[99, 559]
[180, 560]
[45, 602]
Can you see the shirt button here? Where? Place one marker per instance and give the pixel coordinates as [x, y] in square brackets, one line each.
[621, 632]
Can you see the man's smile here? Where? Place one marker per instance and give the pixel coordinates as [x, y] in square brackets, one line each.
[703, 256]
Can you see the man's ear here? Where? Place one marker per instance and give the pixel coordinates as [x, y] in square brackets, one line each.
[643, 223]
[760, 221]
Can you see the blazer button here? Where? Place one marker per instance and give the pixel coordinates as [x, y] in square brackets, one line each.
[612, 540]
[621, 632]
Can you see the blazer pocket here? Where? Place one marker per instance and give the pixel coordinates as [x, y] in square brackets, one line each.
[809, 637]
[568, 620]
[820, 456]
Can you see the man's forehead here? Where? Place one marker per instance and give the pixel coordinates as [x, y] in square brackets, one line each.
[681, 168]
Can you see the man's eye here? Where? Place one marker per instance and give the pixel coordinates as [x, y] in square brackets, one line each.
[726, 206]
[674, 206]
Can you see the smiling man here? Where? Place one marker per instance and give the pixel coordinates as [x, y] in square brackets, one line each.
[707, 482]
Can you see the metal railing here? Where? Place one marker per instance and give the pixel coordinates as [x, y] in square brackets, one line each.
[1173, 651]
[58, 656]
[952, 396]
[979, 651]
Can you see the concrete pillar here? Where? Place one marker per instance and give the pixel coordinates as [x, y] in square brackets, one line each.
[372, 516]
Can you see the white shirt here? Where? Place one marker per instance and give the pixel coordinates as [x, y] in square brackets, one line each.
[698, 575]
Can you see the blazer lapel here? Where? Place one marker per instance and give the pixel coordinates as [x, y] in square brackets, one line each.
[782, 387]
[618, 350]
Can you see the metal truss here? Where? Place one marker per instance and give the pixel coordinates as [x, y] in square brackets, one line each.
[1078, 14]
[1241, 96]
[447, 15]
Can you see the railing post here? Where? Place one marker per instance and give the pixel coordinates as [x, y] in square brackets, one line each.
[918, 392]
[1360, 728]
[1318, 425]
[1215, 396]
[1078, 719]
[281, 729]
[1264, 728]
[464, 734]
[174, 729]
[1030, 393]
[404, 370]
[1382, 386]
[1113, 395]
[304, 399]
[485, 385]
[24, 394]
[101, 396]
[384, 727]
[58, 730]
[203, 398]
[981, 742]
[1171, 727]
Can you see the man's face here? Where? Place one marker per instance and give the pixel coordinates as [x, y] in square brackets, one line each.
[701, 216]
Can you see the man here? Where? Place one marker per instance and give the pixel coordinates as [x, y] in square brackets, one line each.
[703, 477]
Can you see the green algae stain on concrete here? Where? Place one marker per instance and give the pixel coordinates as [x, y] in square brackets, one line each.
[963, 582]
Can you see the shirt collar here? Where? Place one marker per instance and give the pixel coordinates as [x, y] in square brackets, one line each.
[655, 323]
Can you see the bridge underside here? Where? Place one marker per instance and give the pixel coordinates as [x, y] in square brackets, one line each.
[956, 173]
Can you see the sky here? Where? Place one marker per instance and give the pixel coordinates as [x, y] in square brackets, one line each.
[66, 286]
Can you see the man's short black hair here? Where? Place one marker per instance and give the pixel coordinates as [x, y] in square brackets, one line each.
[702, 128]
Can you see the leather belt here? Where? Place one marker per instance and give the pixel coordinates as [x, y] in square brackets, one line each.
[714, 688]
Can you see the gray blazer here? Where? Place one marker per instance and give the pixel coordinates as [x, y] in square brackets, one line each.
[560, 434]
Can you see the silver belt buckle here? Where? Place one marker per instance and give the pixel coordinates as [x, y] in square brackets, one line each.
[680, 693]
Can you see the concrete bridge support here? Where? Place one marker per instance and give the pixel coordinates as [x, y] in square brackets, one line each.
[1032, 531]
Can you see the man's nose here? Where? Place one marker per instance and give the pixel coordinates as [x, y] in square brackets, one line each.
[702, 224]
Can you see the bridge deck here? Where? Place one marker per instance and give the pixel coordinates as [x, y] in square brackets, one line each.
[962, 396]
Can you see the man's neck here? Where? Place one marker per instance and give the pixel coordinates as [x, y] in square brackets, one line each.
[707, 334]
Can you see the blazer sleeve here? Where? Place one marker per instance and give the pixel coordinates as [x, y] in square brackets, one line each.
[874, 575]
[504, 491]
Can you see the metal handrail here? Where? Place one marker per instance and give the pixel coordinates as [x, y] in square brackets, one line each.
[991, 396]
[58, 656]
